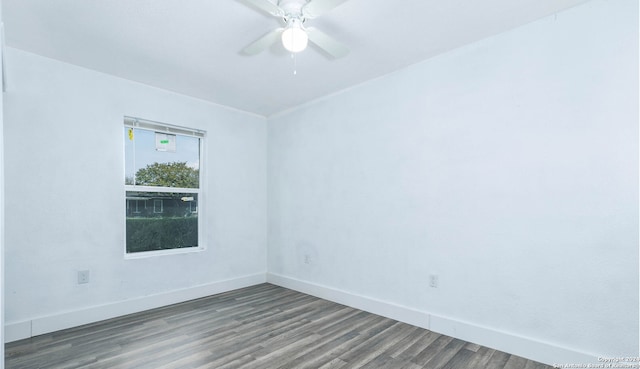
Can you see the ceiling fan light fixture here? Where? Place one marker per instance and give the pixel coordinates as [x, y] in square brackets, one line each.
[294, 37]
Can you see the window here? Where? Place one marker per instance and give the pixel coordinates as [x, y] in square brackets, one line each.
[133, 206]
[157, 206]
[162, 188]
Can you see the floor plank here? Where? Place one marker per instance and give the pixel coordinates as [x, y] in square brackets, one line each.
[263, 326]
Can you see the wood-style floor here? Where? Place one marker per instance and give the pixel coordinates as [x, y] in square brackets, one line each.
[263, 326]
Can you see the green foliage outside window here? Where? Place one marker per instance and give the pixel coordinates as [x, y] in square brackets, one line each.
[176, 174]
[149, 234]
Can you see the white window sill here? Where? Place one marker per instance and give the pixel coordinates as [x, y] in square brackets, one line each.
[149, 254]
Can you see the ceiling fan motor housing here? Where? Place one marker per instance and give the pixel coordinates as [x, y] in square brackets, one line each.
[292, 9]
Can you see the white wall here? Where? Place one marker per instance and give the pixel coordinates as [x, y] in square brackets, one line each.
[1, 213]
[65, 205]
[509, 167]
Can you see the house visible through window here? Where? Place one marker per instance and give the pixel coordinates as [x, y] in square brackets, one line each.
[162, 187]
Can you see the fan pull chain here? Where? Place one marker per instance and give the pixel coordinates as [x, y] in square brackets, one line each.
[295, 64]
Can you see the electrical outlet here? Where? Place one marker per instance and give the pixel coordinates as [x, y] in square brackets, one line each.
[83, 276]
[433, 280]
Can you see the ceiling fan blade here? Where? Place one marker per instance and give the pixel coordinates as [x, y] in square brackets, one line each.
[316, 8]
[327, 43]
[263, 42]
[266, 6]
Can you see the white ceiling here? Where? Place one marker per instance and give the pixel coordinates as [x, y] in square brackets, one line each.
[192, 46]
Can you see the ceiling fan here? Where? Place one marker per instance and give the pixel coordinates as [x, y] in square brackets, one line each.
[294, 35]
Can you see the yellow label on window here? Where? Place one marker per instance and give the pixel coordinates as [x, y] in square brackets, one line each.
[131, 134]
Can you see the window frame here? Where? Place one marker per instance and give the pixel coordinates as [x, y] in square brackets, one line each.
[138, 123]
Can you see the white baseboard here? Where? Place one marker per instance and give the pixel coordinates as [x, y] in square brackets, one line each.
[521, 346]
[17, 331]
[24, 329]
[383, 308]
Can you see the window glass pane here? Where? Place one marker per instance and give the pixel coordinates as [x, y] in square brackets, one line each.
[160, 221]
[159, 159]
